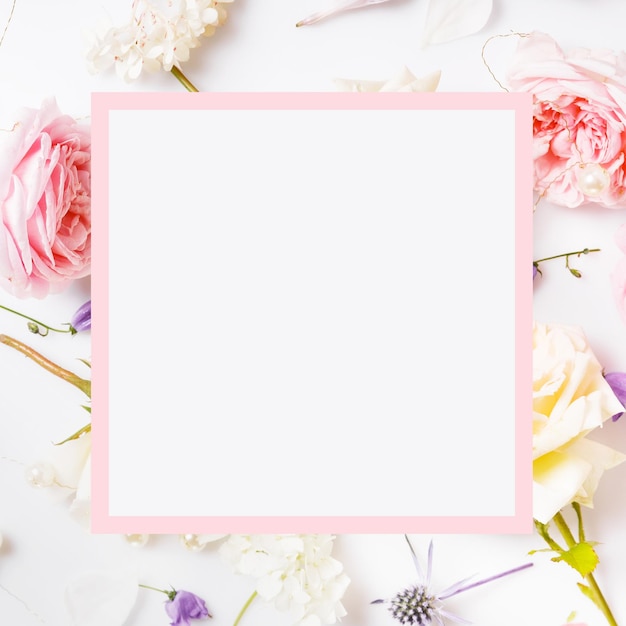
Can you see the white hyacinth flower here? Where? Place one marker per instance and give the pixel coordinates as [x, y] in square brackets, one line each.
[158, 36]
[295, 573]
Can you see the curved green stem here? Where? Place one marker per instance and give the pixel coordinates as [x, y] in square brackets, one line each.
[244, 608]
[83, 384]
[154, 589]
[568, 254]
[595, 593]
[184, 81]
[35, 324]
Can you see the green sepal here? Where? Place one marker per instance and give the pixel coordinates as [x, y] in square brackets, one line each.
[582, 557]
[76, 435]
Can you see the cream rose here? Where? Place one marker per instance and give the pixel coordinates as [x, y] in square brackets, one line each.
[570, 399]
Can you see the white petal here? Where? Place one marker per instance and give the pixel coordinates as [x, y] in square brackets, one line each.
[204, 539]
[80, 509]
[447, 20]
[404, 81]
[69, 460]
[340, 5]
[101, 598]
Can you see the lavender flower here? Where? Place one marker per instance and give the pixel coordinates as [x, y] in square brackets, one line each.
[82, 318]
[617, 382]
[419, 606]
[184, 606]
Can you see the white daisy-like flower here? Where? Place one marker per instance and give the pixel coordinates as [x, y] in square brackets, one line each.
[159, 35]
[418, 605]
[295, 573]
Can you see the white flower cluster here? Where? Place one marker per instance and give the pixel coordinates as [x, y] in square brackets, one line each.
[295, 573]
[160, 35]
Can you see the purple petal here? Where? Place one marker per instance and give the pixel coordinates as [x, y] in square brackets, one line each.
[617, 382]
[452, 591]
[82, 318]
[184, 607]
[534, 271]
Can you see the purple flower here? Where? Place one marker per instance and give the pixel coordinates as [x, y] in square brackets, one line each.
[82, 318]
[617, 382]
[184, 606]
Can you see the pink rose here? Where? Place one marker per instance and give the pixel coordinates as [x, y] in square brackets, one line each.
[45, 202]
[579, 124]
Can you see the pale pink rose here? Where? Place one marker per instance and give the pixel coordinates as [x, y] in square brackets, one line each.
[579, 120]
[45, 202]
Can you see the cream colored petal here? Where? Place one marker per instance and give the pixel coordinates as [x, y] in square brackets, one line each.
[69, 460]
[601, 458]
[570, 474]
[557, 477]
[80, 509]
[404, 81]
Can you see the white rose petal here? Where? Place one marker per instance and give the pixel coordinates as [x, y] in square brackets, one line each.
[447, 20]
[101, 598]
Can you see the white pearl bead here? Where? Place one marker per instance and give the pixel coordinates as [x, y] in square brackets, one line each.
[137, 540]
[40, 475]
[592, 179]
[191, 542]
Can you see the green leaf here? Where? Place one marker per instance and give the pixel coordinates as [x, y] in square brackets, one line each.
[582, 557]
[590, 593]
[76, 435]
[87, 408]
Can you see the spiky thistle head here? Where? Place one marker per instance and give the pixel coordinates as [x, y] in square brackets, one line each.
[415, 606]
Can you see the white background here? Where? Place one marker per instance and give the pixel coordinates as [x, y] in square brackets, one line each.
[260, 49]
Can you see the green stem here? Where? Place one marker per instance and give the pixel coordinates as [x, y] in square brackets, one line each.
[599, 598]
[154, 589]
[34, 327]
[70, 377]
[184, 81]
[567, 254]
[245, 607]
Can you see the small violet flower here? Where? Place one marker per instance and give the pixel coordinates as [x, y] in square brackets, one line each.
[82, 318]
[418, 605]
[617, 382]
[184, 606]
